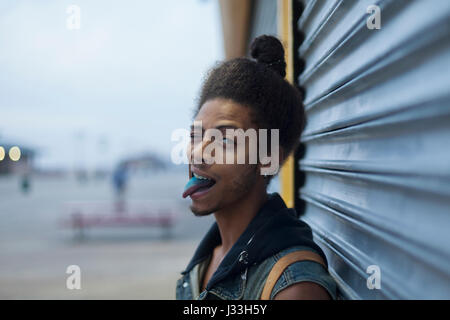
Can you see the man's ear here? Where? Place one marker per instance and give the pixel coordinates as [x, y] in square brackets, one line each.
[280, 158]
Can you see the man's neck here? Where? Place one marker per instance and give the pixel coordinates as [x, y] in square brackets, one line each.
[233, 220]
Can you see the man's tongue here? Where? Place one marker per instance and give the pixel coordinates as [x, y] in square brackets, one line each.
[194, 184]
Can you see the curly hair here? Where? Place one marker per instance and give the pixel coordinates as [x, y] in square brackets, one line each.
[259, 84]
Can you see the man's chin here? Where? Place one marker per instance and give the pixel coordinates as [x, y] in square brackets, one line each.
[200, 212]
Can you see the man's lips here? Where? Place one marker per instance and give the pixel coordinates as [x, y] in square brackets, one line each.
[200, 173]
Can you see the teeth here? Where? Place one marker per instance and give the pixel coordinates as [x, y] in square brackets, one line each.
[199, 176]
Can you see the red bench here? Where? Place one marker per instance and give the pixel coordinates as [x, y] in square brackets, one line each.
[118, 214]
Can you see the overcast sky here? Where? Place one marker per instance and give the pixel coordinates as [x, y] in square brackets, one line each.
[120, 84]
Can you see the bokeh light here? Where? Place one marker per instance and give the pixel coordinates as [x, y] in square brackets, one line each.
[14, 153]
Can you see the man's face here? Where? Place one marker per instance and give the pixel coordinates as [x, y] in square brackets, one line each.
[232, 181]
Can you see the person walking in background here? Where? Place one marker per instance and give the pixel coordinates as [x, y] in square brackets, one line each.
[25, 183]
[120, 177]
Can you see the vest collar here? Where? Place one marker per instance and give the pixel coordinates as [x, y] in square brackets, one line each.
[274, 228]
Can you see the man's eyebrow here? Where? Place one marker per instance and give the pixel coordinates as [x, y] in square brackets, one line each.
[219, 127]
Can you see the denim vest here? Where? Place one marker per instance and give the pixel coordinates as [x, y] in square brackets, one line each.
[274, 232]
[249, 284]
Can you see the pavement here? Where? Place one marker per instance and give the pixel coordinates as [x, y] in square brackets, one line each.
[115, 263]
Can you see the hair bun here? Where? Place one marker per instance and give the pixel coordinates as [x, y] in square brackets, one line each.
[269, 50]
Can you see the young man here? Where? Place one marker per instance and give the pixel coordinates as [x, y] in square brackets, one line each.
[253, 229]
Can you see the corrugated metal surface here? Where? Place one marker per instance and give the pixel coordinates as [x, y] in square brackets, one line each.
[263, 19]
[377, 158]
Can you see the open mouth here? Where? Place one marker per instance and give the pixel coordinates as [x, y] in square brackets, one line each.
[198, 186]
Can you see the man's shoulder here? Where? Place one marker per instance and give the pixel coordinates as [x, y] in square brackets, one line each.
[304, 271]
[271, 260]
[296, 272]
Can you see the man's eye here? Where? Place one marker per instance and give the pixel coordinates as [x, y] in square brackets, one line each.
[227, 141]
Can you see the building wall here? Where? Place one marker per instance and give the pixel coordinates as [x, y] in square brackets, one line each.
[263, 18]
[374, 167]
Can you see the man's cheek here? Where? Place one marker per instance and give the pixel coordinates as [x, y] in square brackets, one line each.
[239, 155]
[189, 152]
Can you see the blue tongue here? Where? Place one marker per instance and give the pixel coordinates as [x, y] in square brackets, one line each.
[191, 182]
[194, 184]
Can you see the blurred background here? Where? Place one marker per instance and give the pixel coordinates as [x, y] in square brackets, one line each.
[90, 93]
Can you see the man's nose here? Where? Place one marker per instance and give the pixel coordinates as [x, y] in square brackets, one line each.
[195, 151]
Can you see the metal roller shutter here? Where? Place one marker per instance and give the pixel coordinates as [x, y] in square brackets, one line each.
[263, 19]
[376, 159]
